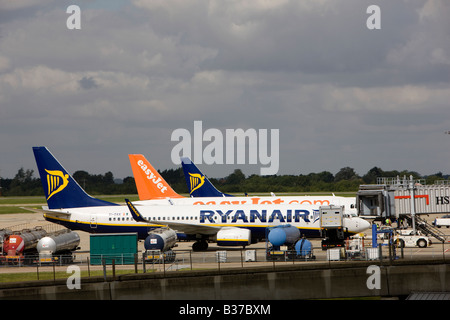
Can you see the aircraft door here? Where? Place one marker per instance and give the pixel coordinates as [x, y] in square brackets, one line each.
[93, 222]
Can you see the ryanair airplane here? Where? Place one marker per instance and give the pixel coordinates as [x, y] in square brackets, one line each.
[151, 186]
[71, 206]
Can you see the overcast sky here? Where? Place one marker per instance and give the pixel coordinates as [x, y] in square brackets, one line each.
[339, 93]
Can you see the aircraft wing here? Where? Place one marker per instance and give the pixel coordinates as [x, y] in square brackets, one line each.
[186, 228]
[189, 228]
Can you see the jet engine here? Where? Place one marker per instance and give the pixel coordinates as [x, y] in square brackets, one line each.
[233, 237]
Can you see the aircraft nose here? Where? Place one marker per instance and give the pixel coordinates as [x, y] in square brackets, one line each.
[363, 225]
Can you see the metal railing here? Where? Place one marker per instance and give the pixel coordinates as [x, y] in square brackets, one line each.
[187, 260]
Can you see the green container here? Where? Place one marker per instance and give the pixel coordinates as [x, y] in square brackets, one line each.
[122, 247]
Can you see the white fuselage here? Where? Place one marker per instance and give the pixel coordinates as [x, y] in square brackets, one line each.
[108, 219]
[349, 203]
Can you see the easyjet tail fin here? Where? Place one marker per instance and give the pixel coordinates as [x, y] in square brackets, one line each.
[198, 184]
[149, 183]
[61, 190]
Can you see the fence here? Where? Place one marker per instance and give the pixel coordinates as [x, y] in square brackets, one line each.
[187, 260]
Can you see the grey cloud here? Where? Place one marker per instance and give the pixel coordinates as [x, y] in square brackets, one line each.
[311, 69]
[87, 83]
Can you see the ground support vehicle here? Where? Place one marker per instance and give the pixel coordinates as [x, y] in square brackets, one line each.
[443, 221]
[407, 239]
[331, 226]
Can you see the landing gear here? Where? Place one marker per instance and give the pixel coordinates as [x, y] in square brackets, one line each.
[200, 245]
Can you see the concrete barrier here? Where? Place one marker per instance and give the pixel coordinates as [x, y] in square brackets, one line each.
[305, 281]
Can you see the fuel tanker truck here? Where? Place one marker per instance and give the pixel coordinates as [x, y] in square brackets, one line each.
[158, 245]
[284, 243]
[58, 247]
[20, 242]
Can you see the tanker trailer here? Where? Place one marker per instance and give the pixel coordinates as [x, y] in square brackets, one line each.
[282, 235]
[21, 243]
[13, 246]
[4, 233]
[58, 247]
[31, 237]
[303, 249]
[158, 245]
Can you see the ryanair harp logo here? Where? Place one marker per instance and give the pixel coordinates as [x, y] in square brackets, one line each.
[56, 182]
[196, 180]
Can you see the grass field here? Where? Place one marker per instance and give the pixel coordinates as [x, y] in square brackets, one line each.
[48, 275]
[10, 205]
[13, 209]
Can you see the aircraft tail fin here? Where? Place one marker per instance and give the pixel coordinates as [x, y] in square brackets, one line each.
[198, 184]
[61, 190]
[149, 183]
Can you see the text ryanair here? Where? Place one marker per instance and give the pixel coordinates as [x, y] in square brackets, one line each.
[263, 215]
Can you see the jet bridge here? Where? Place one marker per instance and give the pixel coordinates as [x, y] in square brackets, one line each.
[395, 198]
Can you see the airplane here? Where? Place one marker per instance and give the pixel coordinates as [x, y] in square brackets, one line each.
[71, 206]
[237, 225]
[198, 184]
[147, 181]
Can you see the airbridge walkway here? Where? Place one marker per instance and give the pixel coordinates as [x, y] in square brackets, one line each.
[288, 282]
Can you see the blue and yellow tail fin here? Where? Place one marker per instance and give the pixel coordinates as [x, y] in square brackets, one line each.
[61, 190]
[198, 184]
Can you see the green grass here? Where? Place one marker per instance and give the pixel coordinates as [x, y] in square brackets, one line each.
[10, 205]
[13, 209]
[48, 275]
[21, 200]
[41, 200]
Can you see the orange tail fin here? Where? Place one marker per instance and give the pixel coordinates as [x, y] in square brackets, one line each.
[149, 183]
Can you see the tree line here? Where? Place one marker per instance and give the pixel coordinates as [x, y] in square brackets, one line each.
[346, 180]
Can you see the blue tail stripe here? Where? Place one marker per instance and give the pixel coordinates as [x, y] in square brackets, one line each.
[60, 189]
